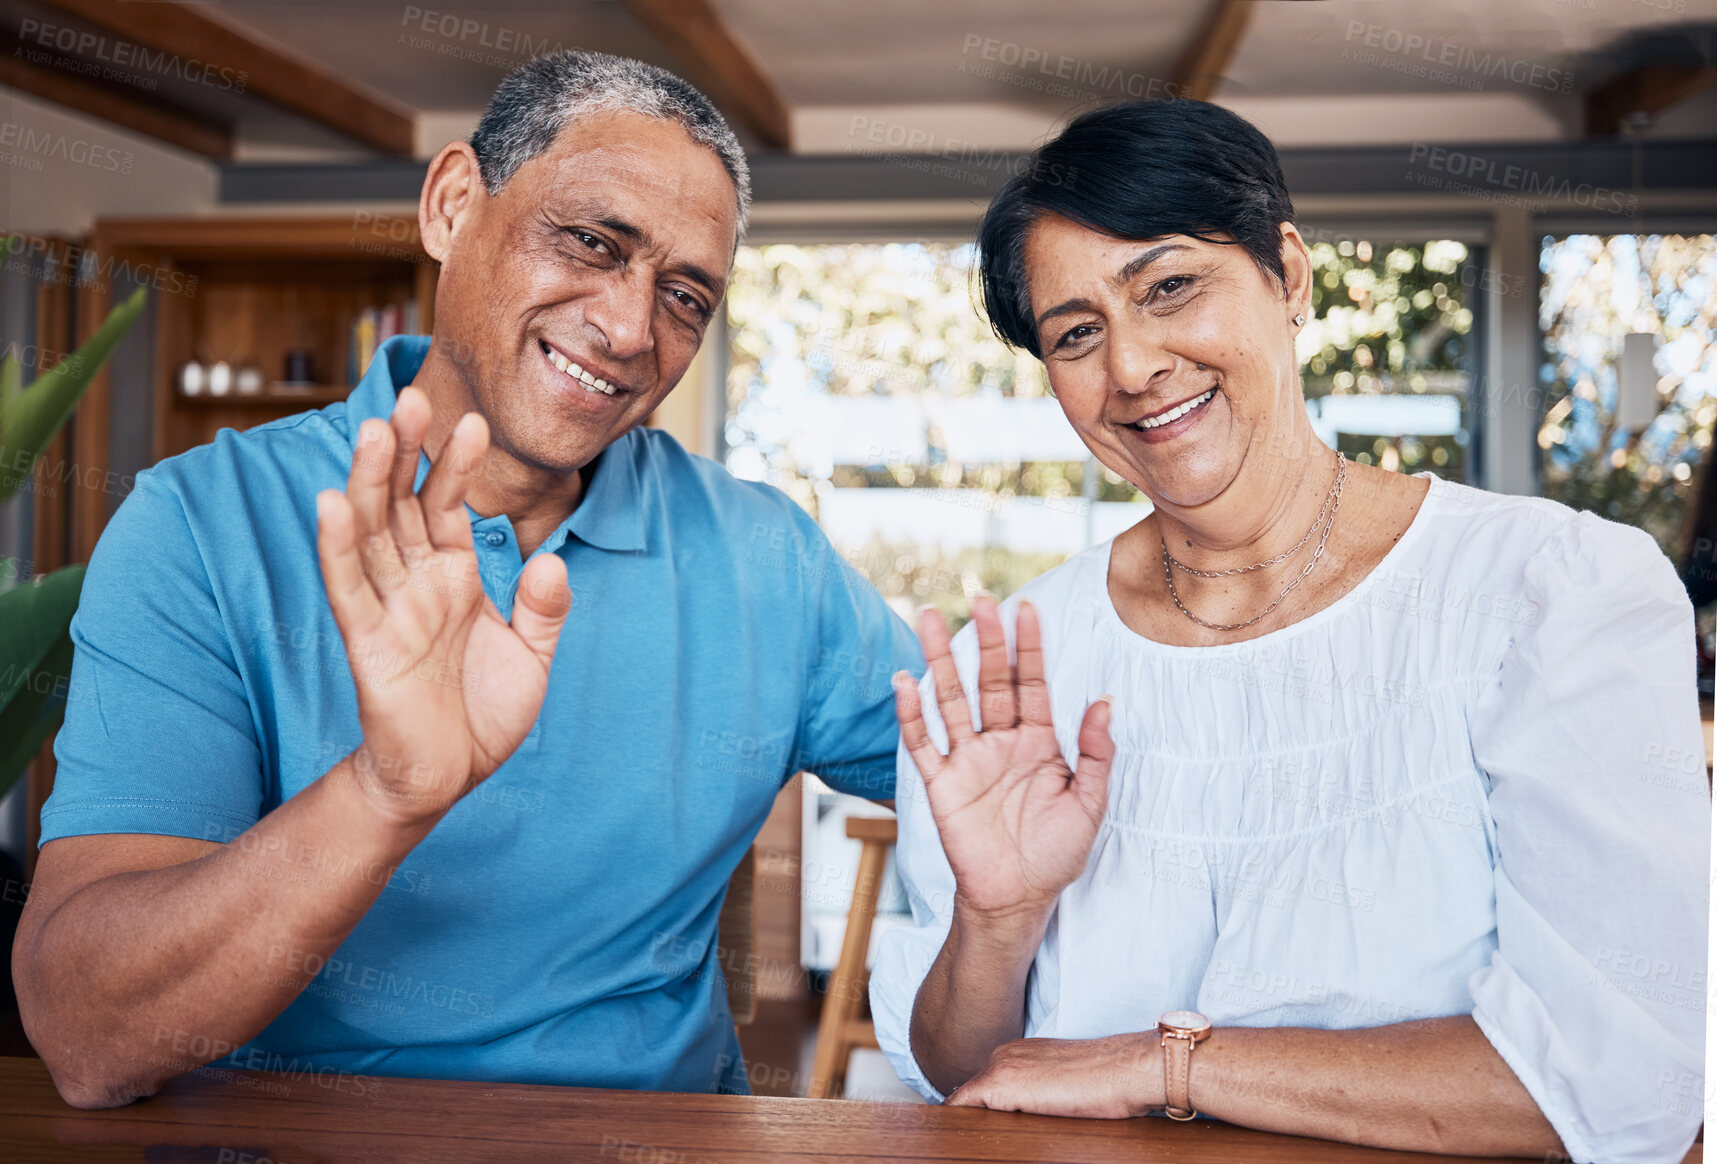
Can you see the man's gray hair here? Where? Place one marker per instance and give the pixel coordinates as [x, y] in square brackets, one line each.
[539, 98]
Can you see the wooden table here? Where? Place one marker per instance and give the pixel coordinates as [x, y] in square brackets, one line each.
[245, 1117]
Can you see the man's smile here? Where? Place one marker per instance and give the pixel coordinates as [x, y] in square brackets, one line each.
[575, 371]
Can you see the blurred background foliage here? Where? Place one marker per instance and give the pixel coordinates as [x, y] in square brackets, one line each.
[1392, 319]
[901, 319]
[1597, 289]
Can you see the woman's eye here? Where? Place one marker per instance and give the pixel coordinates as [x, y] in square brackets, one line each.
[1074, 335]
[1173, 284]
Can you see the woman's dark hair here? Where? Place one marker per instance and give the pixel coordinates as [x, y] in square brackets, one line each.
[1137, 170]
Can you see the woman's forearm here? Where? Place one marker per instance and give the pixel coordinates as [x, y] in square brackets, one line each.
[1435, 1085]
[973, 999]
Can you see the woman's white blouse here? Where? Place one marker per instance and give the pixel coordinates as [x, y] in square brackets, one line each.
[1475, 784]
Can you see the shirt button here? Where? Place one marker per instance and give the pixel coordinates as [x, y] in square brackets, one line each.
[496, 538]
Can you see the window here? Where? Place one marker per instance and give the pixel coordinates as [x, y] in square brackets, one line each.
[864, 381]
[1596, 290]
[1386, 356]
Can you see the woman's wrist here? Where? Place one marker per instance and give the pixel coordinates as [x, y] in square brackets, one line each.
[1150, 1090]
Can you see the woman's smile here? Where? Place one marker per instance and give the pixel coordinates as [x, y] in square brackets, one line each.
[1175, 420]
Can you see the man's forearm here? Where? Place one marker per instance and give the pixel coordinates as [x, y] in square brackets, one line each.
[973, 999]
[210, 950]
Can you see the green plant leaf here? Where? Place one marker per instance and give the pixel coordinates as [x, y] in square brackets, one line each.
[30, 418]
[35, 664]
[11, 382]
[34, 714]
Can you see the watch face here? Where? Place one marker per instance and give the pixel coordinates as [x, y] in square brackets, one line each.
[1185, 1020]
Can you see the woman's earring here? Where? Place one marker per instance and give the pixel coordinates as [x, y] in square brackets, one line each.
[1300, 320]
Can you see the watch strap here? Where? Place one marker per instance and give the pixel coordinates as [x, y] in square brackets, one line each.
[1177, 1077]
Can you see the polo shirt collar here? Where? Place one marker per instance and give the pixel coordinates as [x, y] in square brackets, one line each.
[610, 515]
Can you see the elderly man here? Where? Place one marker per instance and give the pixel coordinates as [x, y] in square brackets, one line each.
[463, 802]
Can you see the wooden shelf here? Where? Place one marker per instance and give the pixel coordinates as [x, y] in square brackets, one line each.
[248, 291]
[315, 399]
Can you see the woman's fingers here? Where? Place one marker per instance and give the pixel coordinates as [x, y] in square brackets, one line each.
[968, 1094]
[1096, 754]
[950, 696]
[444, 489]
[357, 609]
[540, 605]
[995, 677]
[913, 733]
[1033, 692]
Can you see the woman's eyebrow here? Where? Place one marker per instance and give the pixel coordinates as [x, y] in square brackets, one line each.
[1126, 274]
[1122, 277]
[1068, 307]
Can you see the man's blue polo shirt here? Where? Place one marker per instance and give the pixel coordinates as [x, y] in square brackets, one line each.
[559, 924]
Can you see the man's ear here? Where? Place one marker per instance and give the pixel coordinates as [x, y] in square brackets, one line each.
[451, 192]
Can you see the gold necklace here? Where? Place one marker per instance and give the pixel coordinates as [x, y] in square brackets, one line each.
[1332, 503]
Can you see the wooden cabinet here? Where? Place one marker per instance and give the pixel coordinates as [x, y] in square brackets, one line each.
[247, 292]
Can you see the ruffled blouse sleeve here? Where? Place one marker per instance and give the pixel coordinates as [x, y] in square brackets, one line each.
[904, 953]
[1590, 736]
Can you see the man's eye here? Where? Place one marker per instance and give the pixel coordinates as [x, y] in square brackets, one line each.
[690, 302]
[585, 239]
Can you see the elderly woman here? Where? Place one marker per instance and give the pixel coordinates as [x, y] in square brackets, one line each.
[1324, 800]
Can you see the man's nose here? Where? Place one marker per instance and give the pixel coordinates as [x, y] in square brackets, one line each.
[622, 313]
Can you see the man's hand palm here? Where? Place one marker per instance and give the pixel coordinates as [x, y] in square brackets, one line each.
[447, 689]
[504, 686]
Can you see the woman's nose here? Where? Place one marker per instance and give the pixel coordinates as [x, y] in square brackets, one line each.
[1138, 359]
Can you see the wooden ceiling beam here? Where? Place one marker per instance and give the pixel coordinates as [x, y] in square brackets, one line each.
[234, 61]
[135, 111]
[1649, 90]
[710, 57]
[1202, 65]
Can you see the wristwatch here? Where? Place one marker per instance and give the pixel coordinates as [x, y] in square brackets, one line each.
[1181, 1031]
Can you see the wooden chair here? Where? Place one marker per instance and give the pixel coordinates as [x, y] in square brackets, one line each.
[841, 1029]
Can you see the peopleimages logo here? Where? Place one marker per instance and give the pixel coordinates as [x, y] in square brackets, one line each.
[1449, 54]
[1040, 70]
[451, 35]
[14, 136]
[90, 52]
[1481, 175]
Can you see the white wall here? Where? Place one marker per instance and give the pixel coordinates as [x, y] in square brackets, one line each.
[60, 171]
